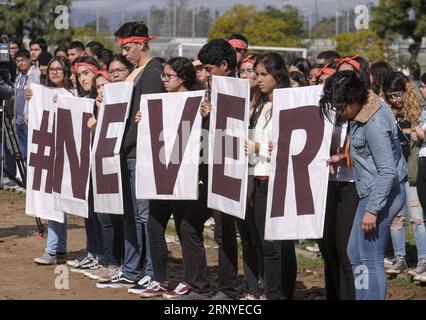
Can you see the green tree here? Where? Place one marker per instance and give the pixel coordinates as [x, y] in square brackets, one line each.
[404, 17]
[34, 18]
[272, 27]
[364, 42]
[235, 20]
[326, 28]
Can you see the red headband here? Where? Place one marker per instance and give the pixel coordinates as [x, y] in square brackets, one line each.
[326, 70]
[89, 66]
[249, 58]
[350, 61]
[125, 40]
[104, 74]
[238, 44]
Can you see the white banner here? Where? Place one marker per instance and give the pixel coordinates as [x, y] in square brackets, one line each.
[41, 153]
[298, 182]
[106, 169]
[72, 155]
[168, 146]
[228, 164]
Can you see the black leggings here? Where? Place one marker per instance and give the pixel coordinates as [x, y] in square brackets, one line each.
[342, 203]
[160, 212]
[280, 264]
[421, 181]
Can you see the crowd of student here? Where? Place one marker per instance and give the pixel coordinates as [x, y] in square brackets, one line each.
[377, 169]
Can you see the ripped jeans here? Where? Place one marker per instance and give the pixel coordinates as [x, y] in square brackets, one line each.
[417, 219]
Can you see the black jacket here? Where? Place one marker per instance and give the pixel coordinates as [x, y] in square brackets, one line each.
[147, 82]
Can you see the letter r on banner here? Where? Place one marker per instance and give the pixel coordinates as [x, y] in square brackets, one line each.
[290, 120]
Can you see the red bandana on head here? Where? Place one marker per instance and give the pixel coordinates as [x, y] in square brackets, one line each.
[326, 70]
[248, 58]
[89, 66]
[104, 74]
[122, 41]
[238, 44]
[350, 61]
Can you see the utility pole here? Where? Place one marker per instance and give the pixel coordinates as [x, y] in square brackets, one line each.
[97, 20]
[174, 18]
[337, 17]
[193, 22]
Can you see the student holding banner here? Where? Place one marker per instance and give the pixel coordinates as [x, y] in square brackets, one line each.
[250, 241]
[280, 266]
[379, 169]
[134, 40]
[85, 71]
[179, 76]
[110, 225]
[58, 76]
[218, 58]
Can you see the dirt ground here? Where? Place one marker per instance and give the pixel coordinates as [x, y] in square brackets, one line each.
[20, 278]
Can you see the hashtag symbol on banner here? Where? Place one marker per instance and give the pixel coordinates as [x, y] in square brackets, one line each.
[43, 139]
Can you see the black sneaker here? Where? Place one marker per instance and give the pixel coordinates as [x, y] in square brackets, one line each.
[118, 281]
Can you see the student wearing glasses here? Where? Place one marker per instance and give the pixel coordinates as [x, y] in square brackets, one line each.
[119, 68]
[58, 76]
[405, 104]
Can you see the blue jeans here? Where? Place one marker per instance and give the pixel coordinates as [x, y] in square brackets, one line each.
[56, 237]
[366, 251]
[417, 217]
[22, 131]
[136, 214]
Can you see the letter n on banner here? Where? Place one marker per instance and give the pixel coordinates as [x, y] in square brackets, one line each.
[228, 164]
[297, 188]
[106, 167]
[72, 158]
[168, 146]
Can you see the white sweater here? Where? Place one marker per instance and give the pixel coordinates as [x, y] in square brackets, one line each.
[263, 135]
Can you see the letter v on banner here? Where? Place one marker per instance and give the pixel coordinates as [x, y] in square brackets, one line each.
[228, 164]
[298, 182]
[72, 157]
[106, 166]
[168, 146]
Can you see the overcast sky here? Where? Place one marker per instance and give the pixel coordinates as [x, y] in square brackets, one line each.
[325, 7]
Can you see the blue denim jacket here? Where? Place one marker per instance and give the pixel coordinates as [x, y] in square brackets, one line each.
[377, 160]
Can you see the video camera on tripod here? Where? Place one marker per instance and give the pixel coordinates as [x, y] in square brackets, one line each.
[7, 91]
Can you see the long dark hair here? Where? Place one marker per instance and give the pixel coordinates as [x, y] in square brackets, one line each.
[303, 65]
[276, 67]
[342, 88]
[80, 90]
[364, 70]
[185, 70]
[379, 71]
[66, 67]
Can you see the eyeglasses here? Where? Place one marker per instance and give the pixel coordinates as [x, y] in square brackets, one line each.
[167, 77]
[395, 95]
[118, 70]
[340, 108]
[56, 70]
